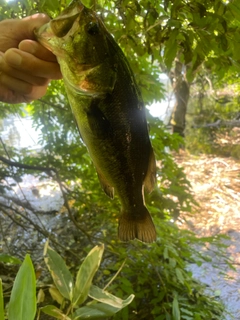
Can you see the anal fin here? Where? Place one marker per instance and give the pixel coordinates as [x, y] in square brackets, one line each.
[150, 177]
[107, 188]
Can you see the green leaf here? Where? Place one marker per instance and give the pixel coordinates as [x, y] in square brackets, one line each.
[175, 309]
[56, 295]
[179, 274]
[52, 5]
[22, 303]
[61, 275]
[54, 312]
[88, 3]
[95, 311]
[1, 302]
[171, 49]
[217, 293]
[165, 253]
[105, 297]
[9, 259]
[184, 310]
[86, 273]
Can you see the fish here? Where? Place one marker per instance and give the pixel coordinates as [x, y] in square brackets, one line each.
[109, 111]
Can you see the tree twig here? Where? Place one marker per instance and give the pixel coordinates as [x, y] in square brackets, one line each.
[44, 232]
[219, 123]
[52, 105]
[66, 204]
[116, 274]
[48, 170]
[27, 166]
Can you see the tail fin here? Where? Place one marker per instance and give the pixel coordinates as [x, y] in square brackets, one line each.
[138, 226]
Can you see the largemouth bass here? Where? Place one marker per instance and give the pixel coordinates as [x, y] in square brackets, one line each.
[109, 111]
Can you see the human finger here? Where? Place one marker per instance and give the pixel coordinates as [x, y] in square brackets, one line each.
[30, 78]
[14, 31]
[13, 90]
[33, 22]
[37, 50]
[31, 65]
[22, 87]
[8, 96]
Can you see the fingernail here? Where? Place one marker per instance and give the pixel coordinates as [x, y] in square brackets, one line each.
[27, 46]
[13, 58]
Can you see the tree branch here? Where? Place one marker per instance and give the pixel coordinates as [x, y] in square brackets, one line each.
[27, 166]
[44, 232]
[52, 105]
[219, 123]
[57, 178]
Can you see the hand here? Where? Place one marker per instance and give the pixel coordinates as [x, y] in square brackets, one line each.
[26, 67]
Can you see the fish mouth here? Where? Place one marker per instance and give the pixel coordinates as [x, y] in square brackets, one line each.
[44, 35]
[60, 26]
[74, 7]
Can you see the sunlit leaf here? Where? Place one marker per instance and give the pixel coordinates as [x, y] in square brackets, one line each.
[9, 259]
[175, 309]
[179, 274]
[171, 49]
[59, 272]
[40, 296]
[88, 3]
[56, 295]
[105, 297]
[86, 273]
[22, 303]
[95, 311]
[54, 312]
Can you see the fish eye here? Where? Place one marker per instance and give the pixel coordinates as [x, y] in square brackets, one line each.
[93, 28]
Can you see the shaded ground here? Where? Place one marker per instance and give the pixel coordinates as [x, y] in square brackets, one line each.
[216, 187]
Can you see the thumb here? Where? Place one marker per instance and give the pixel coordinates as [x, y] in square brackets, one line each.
[33, 22]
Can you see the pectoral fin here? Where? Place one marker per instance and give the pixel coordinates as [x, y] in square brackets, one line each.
[107, 188]
[97, 81]
[98, 122]
[150, 178]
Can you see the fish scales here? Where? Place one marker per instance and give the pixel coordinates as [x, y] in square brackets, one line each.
[107, 105]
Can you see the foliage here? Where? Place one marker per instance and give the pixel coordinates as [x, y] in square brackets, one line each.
[22, 302]
[165, 30]
[213, 116]
[104, 305]
[164, 289]
[160, 31]
[159, 277]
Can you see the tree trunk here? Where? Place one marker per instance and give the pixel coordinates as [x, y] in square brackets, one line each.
[181, 91]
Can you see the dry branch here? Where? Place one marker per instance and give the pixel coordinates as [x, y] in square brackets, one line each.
[219, 123]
